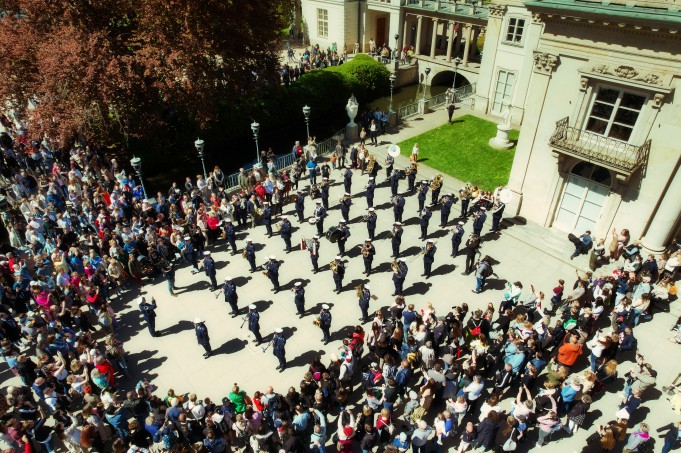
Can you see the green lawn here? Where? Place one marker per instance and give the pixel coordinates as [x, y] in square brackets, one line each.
[461, 150]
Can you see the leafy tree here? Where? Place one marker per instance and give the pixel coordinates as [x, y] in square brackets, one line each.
[117, 68]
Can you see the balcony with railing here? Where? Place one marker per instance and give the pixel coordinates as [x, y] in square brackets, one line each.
[467, 9]
[621, 157]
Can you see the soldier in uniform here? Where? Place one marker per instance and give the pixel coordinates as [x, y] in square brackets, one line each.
[250, 254]
[372, 218]
[411, 177]
[423, 190]
[347, 179]
[314, 253]
[389, 162]
[368, 252]
[230, 235]
[428, 258]
[338, 274]
[345, 206]
[398, 208]
[479, 220]
[209, 268]
[399, 276]
[465, 197]
[190, 254]
[325, 323]
[457, 236]
[231, 297]
[497, 212]
[345, 234]
[267, 218]
[396, 239]
[148, 311]
[324, 192]
[319, 214]
[369, 192]
[447, 202]
[424, 221]
[394, 183]
[279, 348]
[435, 194]
[253, 319]
[299, 298]
[472, 246]
[364, 298]
[273, 273]
[300, 206]
[285, 233]
[202, 336]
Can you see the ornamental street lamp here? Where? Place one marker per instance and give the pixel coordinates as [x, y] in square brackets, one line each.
[457, 62]
[255, 127]
[136, 163]
[397, 47]
[306, 112]
[392, 82]
[199, 149]
[425, 83]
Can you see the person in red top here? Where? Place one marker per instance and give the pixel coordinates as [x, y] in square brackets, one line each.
[558, 293]
[570, 351]
[106, 369]
[260, 191]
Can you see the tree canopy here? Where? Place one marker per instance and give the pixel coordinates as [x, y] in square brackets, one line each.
[116, 68]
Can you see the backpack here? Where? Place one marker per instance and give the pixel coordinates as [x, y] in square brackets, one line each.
[417, 415]
[169, 439]
[488, 271]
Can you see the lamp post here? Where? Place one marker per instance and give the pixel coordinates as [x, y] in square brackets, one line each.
[255, 127]
[198, 144]
[457, 62]
[306, 112]
[136, 163]
[425, 83]
[392, 82]
[397, 47]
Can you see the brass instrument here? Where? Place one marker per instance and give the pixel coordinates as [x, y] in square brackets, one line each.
[366, 250]
[436, 183]
[266, 273]
[334, 267]
[317, 322]
[393, 200]
[277, 226]
[358, 290]
[243, 253]
[394, 266]
[371, 164]
[365, 217]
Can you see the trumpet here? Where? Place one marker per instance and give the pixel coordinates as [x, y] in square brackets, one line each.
[277, 227]
[333, 266]
[394, 266]
[358, 290]
[317, 322]
[243, 253]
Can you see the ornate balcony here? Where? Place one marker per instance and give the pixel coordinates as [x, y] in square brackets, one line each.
[621, 157]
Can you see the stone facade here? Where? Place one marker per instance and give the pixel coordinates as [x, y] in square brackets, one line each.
[595, 96]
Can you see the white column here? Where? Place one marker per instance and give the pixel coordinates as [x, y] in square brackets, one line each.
[433, 39]
[450, 42]
[665, 217]
[418, 35]
[405, 31]
[467, 46]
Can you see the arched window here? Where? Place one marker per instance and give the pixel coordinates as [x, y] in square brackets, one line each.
[593, 172]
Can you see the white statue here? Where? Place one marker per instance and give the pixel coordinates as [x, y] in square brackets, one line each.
[505, 116]
[351, 108]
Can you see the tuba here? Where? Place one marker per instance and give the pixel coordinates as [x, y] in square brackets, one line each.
[371, 164]
[436, 183]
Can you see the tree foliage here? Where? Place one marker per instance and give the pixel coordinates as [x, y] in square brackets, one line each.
[112, 68]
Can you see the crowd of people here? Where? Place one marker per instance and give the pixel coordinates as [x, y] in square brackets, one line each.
[81, 232]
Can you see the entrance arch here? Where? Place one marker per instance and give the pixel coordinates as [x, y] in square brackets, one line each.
[587, 189]
[447, 77]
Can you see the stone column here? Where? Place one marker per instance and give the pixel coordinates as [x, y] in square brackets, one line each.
[544, 65]
[450, 41]
[418, 35]
[433, 39]
[457, 44]
[467, 46]
[664, 220]
[474, 41]
[405, 32]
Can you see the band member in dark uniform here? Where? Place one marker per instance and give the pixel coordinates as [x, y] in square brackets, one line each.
[396, 239]
[368, 252]
[428, 258]
[372, 218]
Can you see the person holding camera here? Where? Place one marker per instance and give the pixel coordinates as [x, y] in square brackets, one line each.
[641, 378]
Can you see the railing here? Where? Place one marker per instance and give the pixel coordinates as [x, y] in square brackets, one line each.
[438, 99]
[408, 110]
[615, 154]
[464, 91]
[329, 145]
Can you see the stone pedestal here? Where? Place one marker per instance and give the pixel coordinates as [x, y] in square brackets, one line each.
[351, 132]
[424, 106]
[501, 141]
[392, 118]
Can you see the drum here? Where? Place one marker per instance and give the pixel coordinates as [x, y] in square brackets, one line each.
[333, 234]
[312, 220]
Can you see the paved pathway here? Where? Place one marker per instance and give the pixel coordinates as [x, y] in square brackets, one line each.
[175, 360]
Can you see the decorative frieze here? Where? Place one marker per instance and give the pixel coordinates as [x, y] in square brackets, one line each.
[629, 73]
[545, 63]
[536, 18]
[497, 10]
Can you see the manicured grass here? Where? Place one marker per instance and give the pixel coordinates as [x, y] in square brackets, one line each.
[461, 150]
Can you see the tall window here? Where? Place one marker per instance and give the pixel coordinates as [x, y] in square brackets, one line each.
[503, 90]
[514, 33]
[323, 23]
[614, 113]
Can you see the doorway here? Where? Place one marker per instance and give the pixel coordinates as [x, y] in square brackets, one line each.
[380, 32]
[586, 191]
